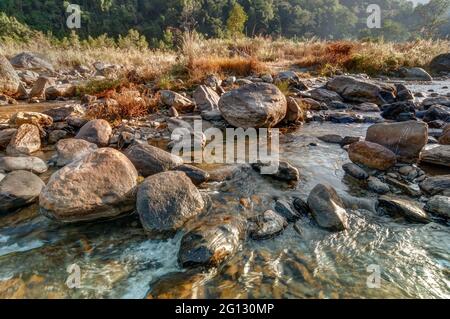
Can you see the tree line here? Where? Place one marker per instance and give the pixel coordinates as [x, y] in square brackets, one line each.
[157, 20]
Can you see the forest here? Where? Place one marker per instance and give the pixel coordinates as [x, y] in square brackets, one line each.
[158, 20]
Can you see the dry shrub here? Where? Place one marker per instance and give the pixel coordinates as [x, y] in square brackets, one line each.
[223, 66]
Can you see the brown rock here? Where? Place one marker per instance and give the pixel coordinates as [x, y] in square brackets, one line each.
[371, 155]
[25, 141]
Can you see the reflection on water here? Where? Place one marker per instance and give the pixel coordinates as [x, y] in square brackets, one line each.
[117, 260]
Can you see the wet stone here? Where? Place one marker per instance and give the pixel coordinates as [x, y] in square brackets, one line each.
[267, 225]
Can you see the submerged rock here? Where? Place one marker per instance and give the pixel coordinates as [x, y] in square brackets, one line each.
[150, 160]
[404, 207]
[212, 242]
[71, 149]
[29, 163]
[254, 106]
[99, 185]
[327, 208]
[285, 172]
[371, 155]
[287, 211]
[26, 140]
[405, 139]
[267, 225]
[355, 171]
[96, 131]
[439, 205]
[439, 155]
[166, 201]
[19, 189]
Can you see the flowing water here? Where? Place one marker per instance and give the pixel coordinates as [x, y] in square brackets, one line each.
[117, 259]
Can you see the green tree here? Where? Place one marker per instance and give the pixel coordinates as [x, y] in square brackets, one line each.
[236, 20]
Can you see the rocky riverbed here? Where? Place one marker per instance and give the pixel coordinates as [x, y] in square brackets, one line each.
[364, 181]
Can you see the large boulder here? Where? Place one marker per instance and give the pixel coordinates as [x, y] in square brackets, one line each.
[405, 139]
[358, 90]
[34, 118]
[5, 137]
[418, 74]
[101, 184]
[9, 80]
[19, 189]
[96, 131]
[254, 105]
[71, 149]
[26, 140]
[441, 63]
[166, 201]
[404, 207]
[212, 242]
[439, 155]
[327, 208]
[206, 98]
[150, 160]
[31, 61]
[371, 155]
[27, 163]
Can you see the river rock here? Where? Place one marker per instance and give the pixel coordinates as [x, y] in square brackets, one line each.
[436, 113]
[355, 171]
[31, 61]
[331, 138]
[39, 87]
[212, 242]
[325, 96]
[5, 137]
[371, 155]
[294, 113]
[166, 201]
[301, 206]
[9, 80]
[176, 100]
[310, 104]
[150, 160]
[26, 140]
[285, 172]
[29, 163]
[440, 100]
[439, 205]
[399, 111]
[436, 185]
[254, 106]
[287, 211]
[66, 90]
[59, 114]
[267, 225]
[414, 74]
[34, 118]
[404, 207]
[18, 189]
[377, 186]
[327, 208]
[403, 93]
[206, 98]
[56, 135]
[28, 76]
[99, 185]
[360, 91]
[441, 63]
[443, 139]
[197, 175]
[96, 131]
[70, 150]
[405, 139]
[366, 107]
[439, 155]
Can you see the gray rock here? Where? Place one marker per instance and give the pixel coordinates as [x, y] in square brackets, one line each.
[56, 135]
[327, 208]
[286, 172]
[286, 210]
[441, 63]
[357, 203]
[99, 185]
[59, 114]
[355, 171]
[324, 95]
[96, 131]
[436, 185]
[30, 163]
[31, 61]
[439, 205]
[166, 201]
[254, 106]
[19, 189]
[331, 138]
[418, 74]
[377, 186]
[5, 137]
[206, 98]
[150, 160]
[439, 155]
[212, 242]
[301, 207]
[437, 113]
[404, 207]
[176, 100]
[267, 225]
[197, 175]
[70, 150]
